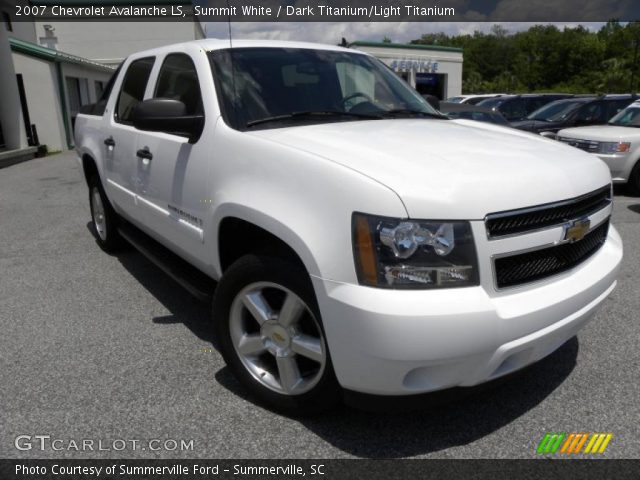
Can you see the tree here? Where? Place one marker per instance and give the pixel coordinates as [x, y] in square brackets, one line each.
[545, 58]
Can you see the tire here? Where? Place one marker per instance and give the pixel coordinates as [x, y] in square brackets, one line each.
[633, 184]
[104, 219]
[281, 359]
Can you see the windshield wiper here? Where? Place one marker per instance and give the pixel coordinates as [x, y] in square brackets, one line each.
[407, 111]
[318, 113]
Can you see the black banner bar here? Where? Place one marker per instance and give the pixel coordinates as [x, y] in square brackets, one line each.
[329, 10]
[318, 469]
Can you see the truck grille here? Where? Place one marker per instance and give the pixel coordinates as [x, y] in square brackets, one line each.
[538, 264]
[590, 146]
[543, 216]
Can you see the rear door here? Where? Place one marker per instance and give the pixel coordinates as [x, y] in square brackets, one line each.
[121, 140]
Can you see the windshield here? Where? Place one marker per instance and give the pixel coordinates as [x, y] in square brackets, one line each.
[455, 99]
[555, 111]
[629, 117]
[275, 87]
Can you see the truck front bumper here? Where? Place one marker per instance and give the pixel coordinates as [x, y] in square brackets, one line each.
[400, 342]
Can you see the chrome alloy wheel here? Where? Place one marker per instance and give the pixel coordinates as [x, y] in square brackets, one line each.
[277, 338]
[97, 209]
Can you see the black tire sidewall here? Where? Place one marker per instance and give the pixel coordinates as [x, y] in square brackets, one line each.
[112, 240]
[633, 184]
[256, 268]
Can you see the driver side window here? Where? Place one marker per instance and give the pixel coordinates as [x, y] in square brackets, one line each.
[132, 90]
[178, 80]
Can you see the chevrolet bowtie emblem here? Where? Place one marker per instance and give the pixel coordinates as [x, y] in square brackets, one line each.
[575, 230]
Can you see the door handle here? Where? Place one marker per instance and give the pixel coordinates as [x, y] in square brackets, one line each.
[110, 142]
[144, 153]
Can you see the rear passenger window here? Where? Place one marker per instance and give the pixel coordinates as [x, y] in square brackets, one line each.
[133, 87]
[178, 80]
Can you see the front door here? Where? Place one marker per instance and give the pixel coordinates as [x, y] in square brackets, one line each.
[171, 172]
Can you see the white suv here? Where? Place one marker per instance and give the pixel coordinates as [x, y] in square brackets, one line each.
[617, 144]
[360, 241]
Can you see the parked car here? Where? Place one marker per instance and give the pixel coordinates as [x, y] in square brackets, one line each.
[472, 112]
[617, 144]
[517, 107]
[359, 242]
[570, 112]
[473, 99]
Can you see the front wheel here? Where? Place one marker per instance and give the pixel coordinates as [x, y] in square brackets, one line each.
[271, 335]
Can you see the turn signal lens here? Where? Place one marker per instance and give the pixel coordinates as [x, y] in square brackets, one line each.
[364, 250]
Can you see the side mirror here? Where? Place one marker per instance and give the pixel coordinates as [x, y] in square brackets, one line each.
[168, 116]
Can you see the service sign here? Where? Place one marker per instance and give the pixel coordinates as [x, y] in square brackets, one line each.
[407, 65]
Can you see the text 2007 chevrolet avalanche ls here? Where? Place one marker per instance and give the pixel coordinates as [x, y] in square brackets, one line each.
[360, 241]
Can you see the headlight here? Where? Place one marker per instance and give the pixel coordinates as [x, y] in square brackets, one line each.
[394, 253]
[614, 147]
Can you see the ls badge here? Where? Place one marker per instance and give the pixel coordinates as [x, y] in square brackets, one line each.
[575, 230]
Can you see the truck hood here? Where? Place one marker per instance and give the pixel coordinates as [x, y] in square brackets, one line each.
[457, 169]
[602, 133]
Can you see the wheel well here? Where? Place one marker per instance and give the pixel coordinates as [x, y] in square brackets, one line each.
[89, 167]
[238, 237]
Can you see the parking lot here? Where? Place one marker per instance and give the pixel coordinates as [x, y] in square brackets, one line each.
[107, 347]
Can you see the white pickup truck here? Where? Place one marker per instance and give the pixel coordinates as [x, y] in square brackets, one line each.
[358, 241]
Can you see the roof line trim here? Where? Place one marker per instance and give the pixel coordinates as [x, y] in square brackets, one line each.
[44, 53]
[408, 46]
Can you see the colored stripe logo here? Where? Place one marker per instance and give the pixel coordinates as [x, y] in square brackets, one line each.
[574, 443]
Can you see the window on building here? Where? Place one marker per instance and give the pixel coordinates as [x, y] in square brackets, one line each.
[6, 18]
[133, 87]
[73, 93]
[99, 86]
[178, 80]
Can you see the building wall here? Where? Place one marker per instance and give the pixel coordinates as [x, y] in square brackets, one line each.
[22, 30]
[43, 99]
[11, 120]
[43, 95]
[110, 43]
[449, 63]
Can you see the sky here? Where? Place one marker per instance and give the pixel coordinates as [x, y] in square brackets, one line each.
[333, 32]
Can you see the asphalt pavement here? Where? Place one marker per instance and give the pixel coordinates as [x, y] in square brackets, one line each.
[107, 348]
